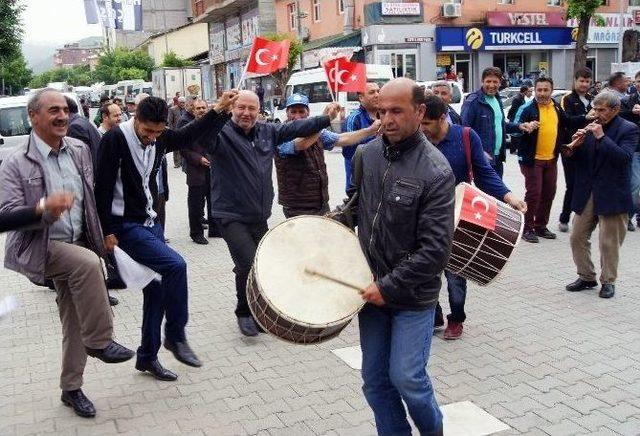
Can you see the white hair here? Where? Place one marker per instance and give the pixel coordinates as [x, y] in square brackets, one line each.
[141, 97]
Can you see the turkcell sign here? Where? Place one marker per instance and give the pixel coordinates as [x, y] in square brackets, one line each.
[503, 38]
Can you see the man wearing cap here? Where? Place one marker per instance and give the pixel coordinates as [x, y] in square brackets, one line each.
[302, 173]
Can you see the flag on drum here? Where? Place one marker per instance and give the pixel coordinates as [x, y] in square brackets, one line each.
[268, 56]
[479, 208]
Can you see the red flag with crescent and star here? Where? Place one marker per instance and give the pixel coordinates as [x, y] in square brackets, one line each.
[479, 208]
[268, 56]
[346, 76]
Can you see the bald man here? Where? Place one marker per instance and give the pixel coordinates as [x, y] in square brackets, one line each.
[405, 227]
[241, 184]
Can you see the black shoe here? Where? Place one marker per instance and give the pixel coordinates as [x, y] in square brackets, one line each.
[630, 226]
[183, 353]
[80, 404]
[607, 290]
[530, 236]
[113, 301]
[113, 353]
[438, 321]
[581, 285]
[563, 227]
[247, 326]
[157, 370]
[167, 240]
[545, 233]
[199, 239]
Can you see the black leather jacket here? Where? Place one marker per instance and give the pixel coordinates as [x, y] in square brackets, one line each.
[405, 219]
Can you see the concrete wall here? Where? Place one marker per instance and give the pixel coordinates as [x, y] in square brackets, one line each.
[185, 42]
[157, 16]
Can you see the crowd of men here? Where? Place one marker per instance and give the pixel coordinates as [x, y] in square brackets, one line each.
[75, 192]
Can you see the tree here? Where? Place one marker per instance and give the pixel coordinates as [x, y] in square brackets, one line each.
[79, 75]
[124, 64]
[15, 74]
[295, 50]
[582, 10]
[171, 59]
[10, 29]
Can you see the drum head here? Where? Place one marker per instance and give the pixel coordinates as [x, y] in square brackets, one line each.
[320, 244]
[458, 206]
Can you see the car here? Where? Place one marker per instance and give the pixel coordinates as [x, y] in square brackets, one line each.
[15, 125]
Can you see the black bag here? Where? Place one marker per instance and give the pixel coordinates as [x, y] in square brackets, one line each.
[114, 281]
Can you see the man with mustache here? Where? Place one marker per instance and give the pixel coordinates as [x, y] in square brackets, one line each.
[65, 244]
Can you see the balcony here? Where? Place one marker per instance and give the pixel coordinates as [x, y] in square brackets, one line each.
[217, 10]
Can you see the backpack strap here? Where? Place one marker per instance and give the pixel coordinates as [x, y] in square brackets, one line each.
[466, 140]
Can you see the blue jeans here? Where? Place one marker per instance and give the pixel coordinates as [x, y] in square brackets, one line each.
[348, 172]
[146, 245]
[635, 185]
[395, 351]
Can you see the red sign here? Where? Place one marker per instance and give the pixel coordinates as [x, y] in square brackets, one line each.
[479, 208]
[268, 56]
[346, 76]
[526, 19]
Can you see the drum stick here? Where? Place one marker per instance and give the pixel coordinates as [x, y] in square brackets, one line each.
[314, 272]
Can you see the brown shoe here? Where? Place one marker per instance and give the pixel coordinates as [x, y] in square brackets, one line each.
[453, 330]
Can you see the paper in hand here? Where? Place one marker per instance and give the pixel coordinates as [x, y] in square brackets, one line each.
[134, 274]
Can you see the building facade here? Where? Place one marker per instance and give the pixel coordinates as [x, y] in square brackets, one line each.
[75, 54]
[157, 16]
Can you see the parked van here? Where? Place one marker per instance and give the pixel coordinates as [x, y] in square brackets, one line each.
[145, 87]
[313, 84]
[125, 87]
[15, 126]
[457, 98]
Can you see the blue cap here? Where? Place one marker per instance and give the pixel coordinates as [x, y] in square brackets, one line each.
[296, 99]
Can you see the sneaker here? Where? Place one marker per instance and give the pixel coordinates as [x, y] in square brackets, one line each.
[563, 227]
[199, 239]
[545, 233]
[453, 330]
[530, 236]
[631, 227]
[247, 326]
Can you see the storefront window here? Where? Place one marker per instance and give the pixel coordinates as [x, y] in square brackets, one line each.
[403, 64]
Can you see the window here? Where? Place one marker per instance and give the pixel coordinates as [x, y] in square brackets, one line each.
[316, 10]
[634, 2]
[318, 92]
[293, 19]
[14, 121]
[554, 2]
[341, 6]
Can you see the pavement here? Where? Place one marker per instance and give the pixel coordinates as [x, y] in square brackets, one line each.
[539, 359]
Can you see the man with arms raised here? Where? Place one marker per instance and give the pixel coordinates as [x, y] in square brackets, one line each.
[405, 228]
[242, 187]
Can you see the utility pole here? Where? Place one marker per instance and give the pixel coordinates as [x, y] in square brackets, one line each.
[299, 17]
[620, 28]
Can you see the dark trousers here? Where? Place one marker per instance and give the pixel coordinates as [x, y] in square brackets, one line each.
[197, 197]
[162, 214]
[457, 290]
[569, 177]
[540, 182]
[167, 298]
[290, 212]
[242, 240]
[498, 165]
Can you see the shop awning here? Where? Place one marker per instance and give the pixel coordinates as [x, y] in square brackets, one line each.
[348, 40]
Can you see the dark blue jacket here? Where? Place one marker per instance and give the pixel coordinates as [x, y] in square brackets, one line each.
[358, 119]
[603, 168]
[528, 145]
[484, 176]
[478, 114]
[241, 174]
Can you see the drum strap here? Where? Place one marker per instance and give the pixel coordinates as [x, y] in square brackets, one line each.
[466, 140]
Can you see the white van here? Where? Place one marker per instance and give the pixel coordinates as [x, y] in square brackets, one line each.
[313, 84]
[457, 97]
[15, 126]
[145, 87]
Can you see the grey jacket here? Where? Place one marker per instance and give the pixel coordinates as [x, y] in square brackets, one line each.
[23, 185]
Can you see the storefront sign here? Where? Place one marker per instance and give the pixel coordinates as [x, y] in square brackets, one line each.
[250, 25]
[216, 43]
[400, 8]
[234, 40]
[609, 32]
[443, 60]
[502, 38]
[418, 39]
[525, 19]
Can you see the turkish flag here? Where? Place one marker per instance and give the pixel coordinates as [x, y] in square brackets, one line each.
[479, 208]
[346, 76]
[268, 56]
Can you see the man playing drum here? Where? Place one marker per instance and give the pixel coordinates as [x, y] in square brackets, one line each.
[449, 139]
[405, 227]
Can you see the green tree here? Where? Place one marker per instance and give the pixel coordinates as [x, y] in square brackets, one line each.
[10, 29]
[583, 11]
[15, 73]
[124, 64]
[79, 75]
[295, 50]
[171, 59]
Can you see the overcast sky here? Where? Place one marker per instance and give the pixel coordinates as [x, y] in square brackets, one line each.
[56, 21]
